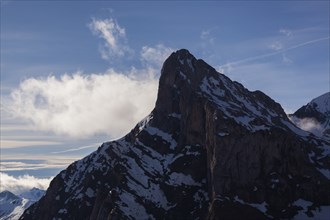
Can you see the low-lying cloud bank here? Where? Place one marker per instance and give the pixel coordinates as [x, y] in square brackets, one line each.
[81, 105]
[20, 184]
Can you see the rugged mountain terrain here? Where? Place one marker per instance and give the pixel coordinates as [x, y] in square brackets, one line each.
[315, 116]
[210, 149]
[13, 206]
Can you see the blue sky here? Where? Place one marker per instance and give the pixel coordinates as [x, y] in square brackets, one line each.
[77, 73]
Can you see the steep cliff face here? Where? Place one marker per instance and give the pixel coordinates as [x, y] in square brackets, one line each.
[210, 149]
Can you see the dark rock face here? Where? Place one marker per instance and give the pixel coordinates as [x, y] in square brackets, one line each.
[210, 149]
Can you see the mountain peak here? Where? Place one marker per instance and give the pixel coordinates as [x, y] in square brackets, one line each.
[12, 206]
[7, 195]
[182, 53]
[322, 103]
[181, 76]
[315, 116]
[185, 79]
[210, 149]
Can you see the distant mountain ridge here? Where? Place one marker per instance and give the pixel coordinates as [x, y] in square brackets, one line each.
[316, 113]
[13, 206]
[210, 149]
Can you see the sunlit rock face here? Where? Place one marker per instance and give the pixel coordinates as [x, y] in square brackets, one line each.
[210, 149]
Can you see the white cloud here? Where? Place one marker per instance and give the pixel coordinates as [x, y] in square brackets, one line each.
[155, 56]
[225, 69]
[307, 124]
[265, 55]
[32, 162]
[22, 166]
[80, 105]
[207, 44]
[93, 146]
[286, 32]
[276, 46]
[20, 184]
[207, 37]
[115, 38]
[286, 59]
[25, 143]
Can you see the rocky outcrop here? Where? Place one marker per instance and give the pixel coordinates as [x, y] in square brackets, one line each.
[210, 149]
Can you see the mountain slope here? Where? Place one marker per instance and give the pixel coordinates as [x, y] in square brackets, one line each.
[13, 206]
[315, 116]
[210, 149]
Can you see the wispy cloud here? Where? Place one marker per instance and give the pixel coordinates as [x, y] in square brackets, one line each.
[279, 82]
[254, 58]
[286, 32]
[14, 162]
[279, 42]
[17, 143]
[155, 56]
[14, 127]
[115, 44]
[22, 184]
[286, 59]
[77, 149]
[19, 166]
[276, 46]
[207, 44]
[307, 124]
[81, 105]
[207, 37]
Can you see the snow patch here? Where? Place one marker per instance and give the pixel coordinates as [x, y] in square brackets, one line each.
[222, 134]
[177, 179]
[321, 103]
[295, 129]
[262, 207]
[325, 172]
[165, 136]
[130, 207]
[62, 211]
[190, 64]
[90, 192]
[175, 115]
[152, 193]
[321, 213]
[183, 75]
[142, 124]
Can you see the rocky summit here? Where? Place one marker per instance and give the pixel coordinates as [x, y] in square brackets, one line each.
[210, 149]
